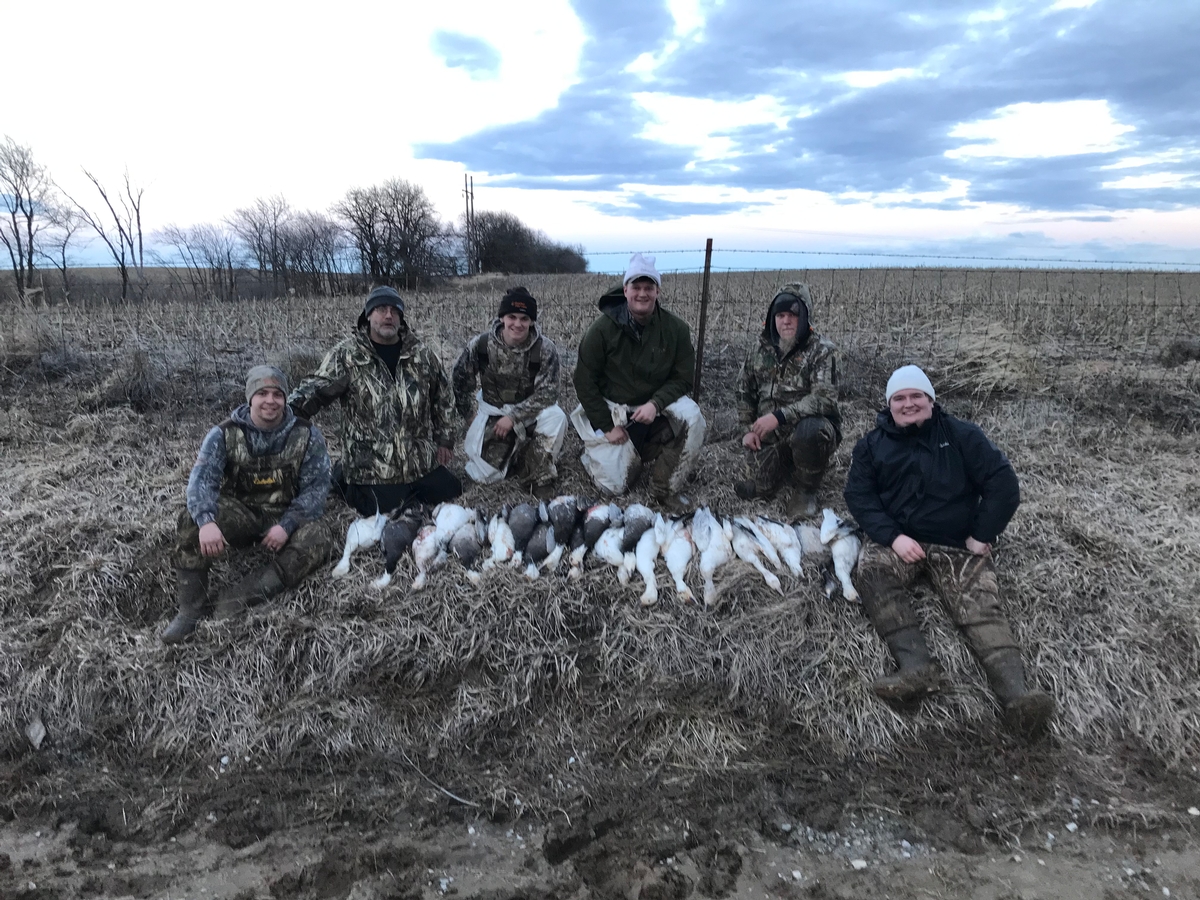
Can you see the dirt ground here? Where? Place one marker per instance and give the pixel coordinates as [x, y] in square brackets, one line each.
[980, 821]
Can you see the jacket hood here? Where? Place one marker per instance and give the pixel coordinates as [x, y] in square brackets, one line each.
[770, 335]
[241, 415]
[614, 305]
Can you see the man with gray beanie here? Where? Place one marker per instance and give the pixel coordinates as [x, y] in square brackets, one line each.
[636, 366]
[933, 494]
[398, 423]
[787, 400]
[518, 427]
[261, 476]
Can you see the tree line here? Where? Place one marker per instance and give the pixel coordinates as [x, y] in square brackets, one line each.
[388, 233]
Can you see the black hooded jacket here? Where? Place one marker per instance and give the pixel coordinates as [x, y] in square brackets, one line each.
[938, 482]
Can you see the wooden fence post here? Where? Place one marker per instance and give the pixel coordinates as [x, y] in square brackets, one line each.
[703, 321]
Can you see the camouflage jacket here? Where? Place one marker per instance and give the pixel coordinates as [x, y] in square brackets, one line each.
[520, 380]
[804, 382]
[286, 469]
[391, 427]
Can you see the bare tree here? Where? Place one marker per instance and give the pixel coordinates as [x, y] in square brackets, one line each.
[207, 253]
[124, 238]
[65, 222]
[503, 243]
[314, 245]
[26, 198]
[261, 228]
[397, 234]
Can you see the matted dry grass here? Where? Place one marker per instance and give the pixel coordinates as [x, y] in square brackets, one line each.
[104, 408]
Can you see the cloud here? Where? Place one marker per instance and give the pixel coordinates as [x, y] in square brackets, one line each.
[1020, 104]
[1025, 130]
[463, 51]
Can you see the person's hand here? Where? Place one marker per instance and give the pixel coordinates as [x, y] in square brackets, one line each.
[979, 548]
[444, 455]
[212, 542]
[751, 441]
[275, 538]
[502, 427]
[907, 549]
[764, 425]
[617, 436]
[646, 413]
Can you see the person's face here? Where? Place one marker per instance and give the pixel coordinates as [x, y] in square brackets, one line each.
[910, 407]
[266, 408]
[516, 328]
[786, 323]
[384, 323]
[641, 294]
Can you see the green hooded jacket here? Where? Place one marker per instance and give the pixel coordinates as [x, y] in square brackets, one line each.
[391, 427]
[619, 364]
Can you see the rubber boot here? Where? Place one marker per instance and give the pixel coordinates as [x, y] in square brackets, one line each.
[918, 674]
[1026, 712]
[801, 504]
[255, 588]
[192, 593]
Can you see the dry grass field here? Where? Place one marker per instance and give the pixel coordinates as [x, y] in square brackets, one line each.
[568, 705]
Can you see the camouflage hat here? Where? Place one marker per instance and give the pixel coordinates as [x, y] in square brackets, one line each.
[264, 377]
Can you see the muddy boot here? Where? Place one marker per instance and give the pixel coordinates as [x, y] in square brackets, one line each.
[675, 504]
[192, 590]
[545, 492]
[1026, 712]
[801, 504]
[255, 588]
[918, 674]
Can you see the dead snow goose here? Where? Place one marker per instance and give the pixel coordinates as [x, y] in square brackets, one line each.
[746, 545]
[364, 532]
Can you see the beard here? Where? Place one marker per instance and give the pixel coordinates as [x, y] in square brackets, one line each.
[786, 344]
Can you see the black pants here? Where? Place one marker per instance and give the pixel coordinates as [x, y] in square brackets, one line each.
[437, 486]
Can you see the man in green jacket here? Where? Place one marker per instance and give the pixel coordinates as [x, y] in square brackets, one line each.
[398, 419]
[636, 365]
[787, 400]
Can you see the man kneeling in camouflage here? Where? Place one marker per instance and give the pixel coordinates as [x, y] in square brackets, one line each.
[519, 427]
[261, 477]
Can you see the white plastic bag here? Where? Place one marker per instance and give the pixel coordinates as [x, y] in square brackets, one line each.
[685, 413]
[608, 464]
[549, 430]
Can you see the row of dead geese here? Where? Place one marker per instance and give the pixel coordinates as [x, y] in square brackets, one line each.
[536, 538]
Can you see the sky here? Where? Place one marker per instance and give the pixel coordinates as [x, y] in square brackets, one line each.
[1048, 129]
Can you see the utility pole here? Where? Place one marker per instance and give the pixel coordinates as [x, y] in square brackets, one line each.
[469, 198]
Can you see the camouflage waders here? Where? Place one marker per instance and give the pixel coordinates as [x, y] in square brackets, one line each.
[660, 445]
[801, 459]
[970, 593]
[531, 464]
[243, 526]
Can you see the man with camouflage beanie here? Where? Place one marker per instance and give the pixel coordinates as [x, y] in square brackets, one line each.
[261, 476]
[787, 400]
[518, 428]
[398, 424]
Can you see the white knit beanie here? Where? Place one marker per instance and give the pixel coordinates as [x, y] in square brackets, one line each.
[642, 267]
[908, 378]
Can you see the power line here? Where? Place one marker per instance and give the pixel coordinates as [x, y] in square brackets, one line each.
[1040, 259]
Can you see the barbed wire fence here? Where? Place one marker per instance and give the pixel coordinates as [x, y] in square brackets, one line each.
[1087, 337]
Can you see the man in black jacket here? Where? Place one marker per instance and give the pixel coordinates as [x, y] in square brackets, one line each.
[933, 493]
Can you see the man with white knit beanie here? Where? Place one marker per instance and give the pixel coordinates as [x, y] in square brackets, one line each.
[933, 494]
[635, 369]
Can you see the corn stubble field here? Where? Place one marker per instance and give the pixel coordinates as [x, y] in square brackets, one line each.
[558, 701]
